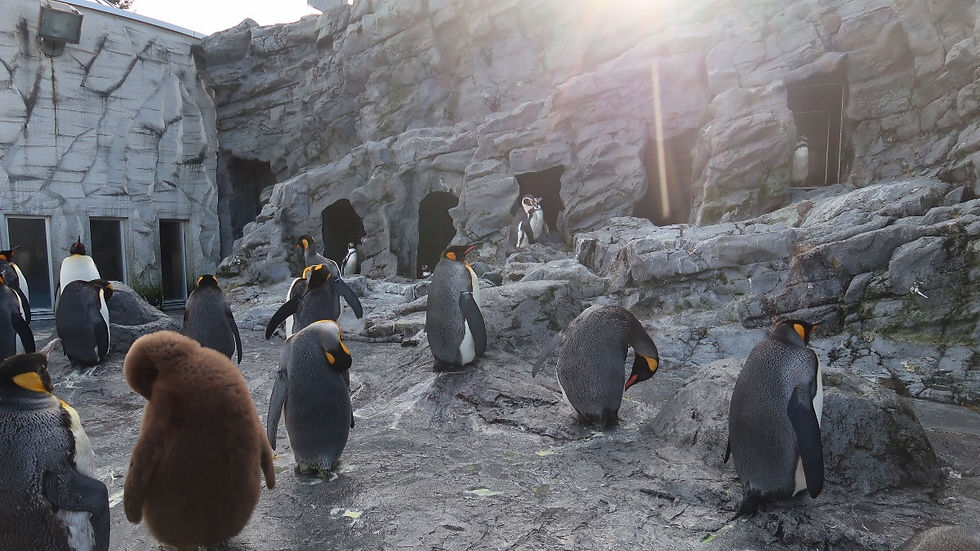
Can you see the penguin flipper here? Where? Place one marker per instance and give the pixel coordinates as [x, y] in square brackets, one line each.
[474, 319]
[73, 491]
[284, 311]
[25, 303]
[548, 349]
[102, 338]
[234, 329]
[276, 402]
[804, 421]
[23, 331]
[341, 287]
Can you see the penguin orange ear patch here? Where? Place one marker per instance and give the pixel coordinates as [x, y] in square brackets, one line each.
[30, 381]
[330, 358]
[653, 364]
[344, 347]
[800, 330]
[451, 255]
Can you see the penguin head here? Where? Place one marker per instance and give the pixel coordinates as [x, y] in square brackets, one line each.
[105, 287]
[305, 242]
[458, 253]
[330, 338]
[801, 142]
[794, 331]
[318, 275]
[643, 368]
[350, 245]
[528, 203]
[27, 371]
[207, 280]
[8, 255]
[77, 247]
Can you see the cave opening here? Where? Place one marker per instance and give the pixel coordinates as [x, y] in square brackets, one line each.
[545, 184]
[341, 225]
[436, 230]
[242, 197]
[818, 106]
[670, 182]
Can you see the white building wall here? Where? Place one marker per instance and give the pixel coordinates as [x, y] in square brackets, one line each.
[119, 125]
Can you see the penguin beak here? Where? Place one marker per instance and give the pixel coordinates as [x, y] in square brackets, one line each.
[470, 247]
[631, 381]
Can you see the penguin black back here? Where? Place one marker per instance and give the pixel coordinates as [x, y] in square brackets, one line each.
[208, 318]
[774, 418]
[50, 498]
[319, 300]
[82, 321]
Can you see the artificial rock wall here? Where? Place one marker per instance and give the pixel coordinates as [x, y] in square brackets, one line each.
[120, 126]
[383, 102]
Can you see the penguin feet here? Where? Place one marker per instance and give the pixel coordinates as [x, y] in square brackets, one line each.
[441, 366]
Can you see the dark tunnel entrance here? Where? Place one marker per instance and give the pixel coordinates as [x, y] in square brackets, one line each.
[341, 225]
[239, 196]
[545, 184]
[818, 107]
[436, 228]
[670, 183]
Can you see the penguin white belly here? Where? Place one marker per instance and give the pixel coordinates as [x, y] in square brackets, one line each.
[818, 410]
[350, 264]
[19, 344]
[104, 310]
[289, 326]
[23, 281]
[77, 268]
[801, 165]
[537, 224]
[81, 536]
[467, 350]
[475, 283]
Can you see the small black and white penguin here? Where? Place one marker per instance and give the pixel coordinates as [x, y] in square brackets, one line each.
[51, 498]
[521, 228]
[195, 474]
[944, 538]
[349, 266]
[208, 318]
[319, 300]
[592, 357]
[313, 390]
[801, 162]
[82, 321]
[774, 418]
[453, 320]
[16, 336]
[15, 279]
[77, 266]
[536, 215]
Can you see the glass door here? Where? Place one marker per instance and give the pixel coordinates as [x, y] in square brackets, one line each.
[172, 260]
[107, 248]
[33, 257]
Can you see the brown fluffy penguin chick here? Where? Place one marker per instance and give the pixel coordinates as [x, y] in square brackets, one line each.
[195, 472]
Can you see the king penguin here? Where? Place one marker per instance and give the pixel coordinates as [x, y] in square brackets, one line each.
[208, 318]
[15, 334]
[944, 538]
[774, 418]
[313, 389]
[51, 498]
[77, 266]
[195, 471]
[521, 228]
[349, 266]
[453, 320]
[801, 162]
[82, 321]
[592, 357]
[319, 300]
[15, 279]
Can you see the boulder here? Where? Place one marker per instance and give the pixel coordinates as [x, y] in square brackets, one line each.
[130, 317]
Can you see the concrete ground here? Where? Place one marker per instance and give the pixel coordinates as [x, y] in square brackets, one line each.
[490, 458]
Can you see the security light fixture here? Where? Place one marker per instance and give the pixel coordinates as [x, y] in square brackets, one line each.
[59, 23]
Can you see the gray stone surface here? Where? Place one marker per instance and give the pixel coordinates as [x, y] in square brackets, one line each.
[382, 104]
[131, 317]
